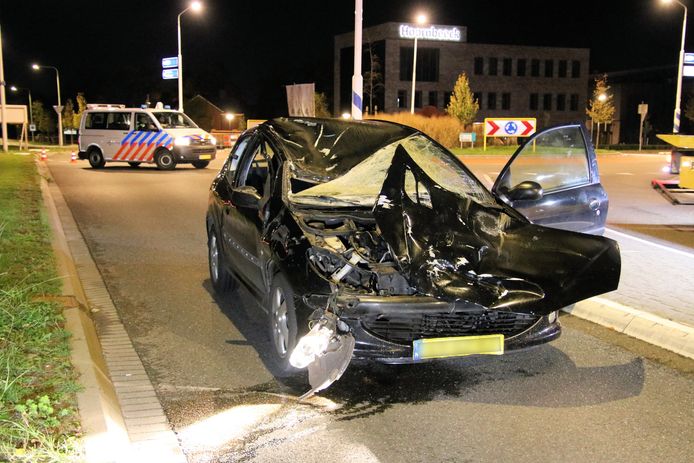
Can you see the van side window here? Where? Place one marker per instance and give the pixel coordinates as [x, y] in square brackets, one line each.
[95, 121]
[145, 123]
[118, 121]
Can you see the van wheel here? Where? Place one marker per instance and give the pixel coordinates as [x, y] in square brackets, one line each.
[200, 164]
[134, 164]
[96, 158]
[164, 159]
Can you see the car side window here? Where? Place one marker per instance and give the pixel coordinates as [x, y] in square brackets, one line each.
[556, 159]
[95, 121]
[255, 168]
[145, 123]
[234, 157]
[118, 121]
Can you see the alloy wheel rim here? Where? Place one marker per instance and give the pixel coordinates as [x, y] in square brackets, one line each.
[214, 258]
[280, 328]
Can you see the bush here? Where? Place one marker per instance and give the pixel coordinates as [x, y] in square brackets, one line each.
[443, 129]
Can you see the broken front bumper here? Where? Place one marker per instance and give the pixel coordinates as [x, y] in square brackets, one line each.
[385, 327]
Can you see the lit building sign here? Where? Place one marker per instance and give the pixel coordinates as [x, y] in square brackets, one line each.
[441, 33]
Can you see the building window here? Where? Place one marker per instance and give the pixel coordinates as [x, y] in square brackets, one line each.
[535, 68]
[479, 66]
[427, 64]
[575, 69]
[573, 102]
[520, 67]
[402, 99]
[491, 100]
[549, 68]
[478, 97]
[493, 66]
[418, 99]
[507, 66]
[561, 102]
[534, 101]
[562, 68]
[446, 98]
[434, 98]
[505, 101]
[547, 101]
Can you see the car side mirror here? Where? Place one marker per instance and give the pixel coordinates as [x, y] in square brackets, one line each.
[245, 196]
[526, 191]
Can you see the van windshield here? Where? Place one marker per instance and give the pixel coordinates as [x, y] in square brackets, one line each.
[174, 120]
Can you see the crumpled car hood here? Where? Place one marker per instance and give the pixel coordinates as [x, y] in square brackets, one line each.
[456, 249]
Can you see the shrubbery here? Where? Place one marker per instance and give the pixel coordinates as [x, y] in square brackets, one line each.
[443, 129]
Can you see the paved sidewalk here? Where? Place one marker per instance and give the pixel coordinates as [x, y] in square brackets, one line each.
[656, 278]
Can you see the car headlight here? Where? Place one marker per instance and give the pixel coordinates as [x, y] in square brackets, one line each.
[182, 141]
[213, 140]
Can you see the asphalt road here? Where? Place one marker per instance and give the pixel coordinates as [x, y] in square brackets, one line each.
[593, 395]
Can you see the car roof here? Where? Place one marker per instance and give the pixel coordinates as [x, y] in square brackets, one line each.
[328, 148]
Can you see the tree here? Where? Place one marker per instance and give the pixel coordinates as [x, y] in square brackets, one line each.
[321, 103]
[373, 78]
[689, 108]
[81, 106]
[42, 118]
[69, 117]
[463, 104]
[601, 106]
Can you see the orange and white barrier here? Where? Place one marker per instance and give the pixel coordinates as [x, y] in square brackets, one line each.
[44, 155]
[73, 158]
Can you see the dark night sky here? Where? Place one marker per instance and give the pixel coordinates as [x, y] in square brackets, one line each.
[241, 53]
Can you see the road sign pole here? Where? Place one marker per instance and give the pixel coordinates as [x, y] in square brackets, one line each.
[3, 114]
[678, 95]
[357, 78]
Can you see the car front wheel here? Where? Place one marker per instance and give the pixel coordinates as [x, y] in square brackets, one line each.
[282, 325]
[222, 281]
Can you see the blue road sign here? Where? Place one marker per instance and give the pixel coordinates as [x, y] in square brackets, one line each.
[169, 74]
[169, 62]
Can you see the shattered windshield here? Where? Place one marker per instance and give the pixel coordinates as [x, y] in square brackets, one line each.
[174, 120]
[362, 184]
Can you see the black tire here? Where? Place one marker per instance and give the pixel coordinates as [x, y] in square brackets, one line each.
[96, 158]
[164, 159]
[282, 326]
[200, 164]
[134, 164]
[222, 282]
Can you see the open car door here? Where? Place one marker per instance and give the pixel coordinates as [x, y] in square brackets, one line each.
[553, 180]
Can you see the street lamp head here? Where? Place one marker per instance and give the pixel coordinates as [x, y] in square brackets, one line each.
[666, 2]
[346, 116]
[421, 18]
[602, 97]
[196, 6]
[229, 116]
[35, 67]
[13, 88]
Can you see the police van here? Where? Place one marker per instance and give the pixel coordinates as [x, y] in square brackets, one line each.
[114, 133]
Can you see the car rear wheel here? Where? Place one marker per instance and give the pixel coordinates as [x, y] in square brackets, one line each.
[200, 164]
[222, 281]
[134, 164]
[164, 159]
[282, 325]
[96, 158]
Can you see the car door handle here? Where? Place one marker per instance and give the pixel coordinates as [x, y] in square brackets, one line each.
[594, 204]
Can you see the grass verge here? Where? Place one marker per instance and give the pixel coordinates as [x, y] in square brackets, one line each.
[38, 417]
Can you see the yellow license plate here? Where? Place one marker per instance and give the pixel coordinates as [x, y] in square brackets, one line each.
[436, 348]
[205, 156]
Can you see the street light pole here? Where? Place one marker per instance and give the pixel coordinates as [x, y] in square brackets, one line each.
[678, 96]
[195, 6]
[3, 113]
[421, 19]
[357, 78]
[31, 110]
[60, 108]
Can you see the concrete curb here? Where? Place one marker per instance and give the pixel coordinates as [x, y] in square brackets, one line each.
[661, 332]
[122, 418]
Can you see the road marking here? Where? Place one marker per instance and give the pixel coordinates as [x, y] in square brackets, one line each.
[624, 173]
[488, 180]
[657, 245]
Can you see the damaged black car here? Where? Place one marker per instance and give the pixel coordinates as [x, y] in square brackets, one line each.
[369, 240]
